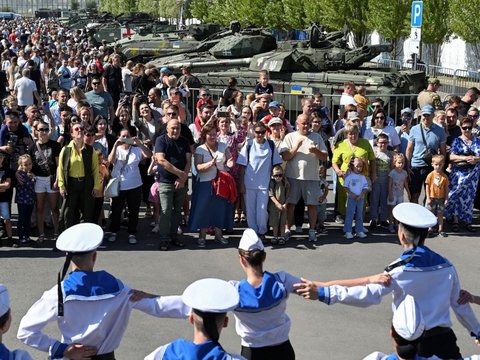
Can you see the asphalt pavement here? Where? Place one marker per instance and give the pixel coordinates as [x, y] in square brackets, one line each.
[318, 331]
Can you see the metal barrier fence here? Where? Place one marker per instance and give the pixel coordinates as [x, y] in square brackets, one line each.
[394, 103]
[454, 81]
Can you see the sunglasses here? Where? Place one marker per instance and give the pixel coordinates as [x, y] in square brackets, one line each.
[380, 117]
[260, 132]
[45, 130]
[78, 129]
[95, 83]
[204, 94]
[172, 114]
[467, 128]
[277, 176]
[473, 116]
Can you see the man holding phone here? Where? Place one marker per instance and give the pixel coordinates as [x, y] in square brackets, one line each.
[403, 130]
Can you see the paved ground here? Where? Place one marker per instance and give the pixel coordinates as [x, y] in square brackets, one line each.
[318, 331]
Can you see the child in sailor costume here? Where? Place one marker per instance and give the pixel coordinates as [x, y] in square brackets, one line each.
[91, 308]
[210, 300]
[261, 320]
[5, 322]
[431, 279]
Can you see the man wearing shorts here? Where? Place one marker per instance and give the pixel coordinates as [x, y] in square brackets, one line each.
[302, 151]
[425, 138]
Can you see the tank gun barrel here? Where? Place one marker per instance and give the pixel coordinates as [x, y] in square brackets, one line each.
[217, 63]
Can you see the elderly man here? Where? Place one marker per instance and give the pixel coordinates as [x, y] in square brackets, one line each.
[425, 140]
[173, 155]
[302, 151]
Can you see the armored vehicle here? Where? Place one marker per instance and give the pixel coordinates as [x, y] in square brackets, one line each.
[322, 63]
[149, 42]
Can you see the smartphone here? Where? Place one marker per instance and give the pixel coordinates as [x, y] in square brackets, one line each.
[128, 141]
[223, 114]
[45, 107]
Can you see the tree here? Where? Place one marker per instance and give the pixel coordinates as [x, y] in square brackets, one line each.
[272, 18]
[6, 9]
[313, 12]
[74, 5]
[199, 9]
[294, 14]
[435, 29]
[149, 7]
[346, 12]
[250, 12]
[390, 19]
[462, 22]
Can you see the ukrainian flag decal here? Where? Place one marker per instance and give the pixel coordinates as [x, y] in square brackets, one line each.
[176, 45]
[295, 89]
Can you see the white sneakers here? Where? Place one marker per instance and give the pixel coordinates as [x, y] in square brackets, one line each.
[361, 235]
[132, 240]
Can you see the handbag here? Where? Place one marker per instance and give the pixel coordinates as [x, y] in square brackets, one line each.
[428, 155]
[113, 187]
[224, 184]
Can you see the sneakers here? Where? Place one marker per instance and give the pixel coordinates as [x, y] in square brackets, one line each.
[288, 234]
[348, 235]
[373, 224]
[443, 234]
[322, 229]
[221, 240]
[384, 224]
[361, 235]
[298, 230]
[312, 235]
[282, 240]
[156, 229]
[112, 238]
[132, 240]
[274, 240]
[391, 228]
[179, 231]
[338, 219]
[201, 243]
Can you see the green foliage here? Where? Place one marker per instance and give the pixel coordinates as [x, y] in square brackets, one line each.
[435, 27]
[168, 8]
[272, 18]
[463, 22]
[128, 6]
[199, 9]
[74, 5]
[313, 11]
[294, 13]
[148, 6]
[389, 17]
[250, 12]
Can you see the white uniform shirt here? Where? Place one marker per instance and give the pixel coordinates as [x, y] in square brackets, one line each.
[428, 277]
[304, 165]
[25, 89]
[261, 319]
[96, 320]
[259, 164]
[185, 350]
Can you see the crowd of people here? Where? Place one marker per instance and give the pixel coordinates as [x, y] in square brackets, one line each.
[79, 120]
[76, 116]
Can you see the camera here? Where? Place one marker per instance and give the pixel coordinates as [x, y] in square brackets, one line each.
[128, 141]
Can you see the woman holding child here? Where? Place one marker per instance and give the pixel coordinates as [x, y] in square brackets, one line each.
[465, 156]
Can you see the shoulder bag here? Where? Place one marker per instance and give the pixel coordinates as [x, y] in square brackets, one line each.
[113, 187]
[428, 154]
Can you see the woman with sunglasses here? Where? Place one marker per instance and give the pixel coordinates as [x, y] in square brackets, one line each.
[78, 179]
[45, 153]
[474, 115]
[257, 158]
[379, 126]
[465, 156]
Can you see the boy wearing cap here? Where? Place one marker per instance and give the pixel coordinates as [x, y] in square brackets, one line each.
[91, 308]
[210, 300]
[5, 322]
[427, 276]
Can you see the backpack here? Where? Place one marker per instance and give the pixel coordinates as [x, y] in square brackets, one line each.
[249, 145]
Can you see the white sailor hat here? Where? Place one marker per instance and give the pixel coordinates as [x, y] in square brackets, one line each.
[275, 120]
[408, 320]
[353, 115]
[414, 215]
[80, 238]
[211, 295]
[250, 241]
[4, 300]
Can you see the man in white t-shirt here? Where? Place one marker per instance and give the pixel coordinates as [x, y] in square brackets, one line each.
[302, 151]
[26, 90]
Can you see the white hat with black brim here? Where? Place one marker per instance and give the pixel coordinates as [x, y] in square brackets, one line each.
[76, 240]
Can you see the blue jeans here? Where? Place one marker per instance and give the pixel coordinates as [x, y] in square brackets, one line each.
[171, 203]
[354, 208]
[378, 200]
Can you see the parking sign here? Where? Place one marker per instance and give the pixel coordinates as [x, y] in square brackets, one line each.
[417, 11]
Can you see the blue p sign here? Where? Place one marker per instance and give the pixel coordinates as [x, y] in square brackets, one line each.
[417, 10]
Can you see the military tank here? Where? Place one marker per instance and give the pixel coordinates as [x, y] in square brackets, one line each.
[149, 42]
[322, 64]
